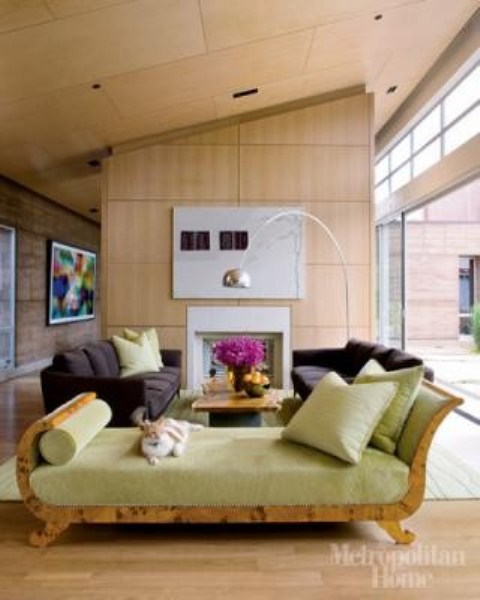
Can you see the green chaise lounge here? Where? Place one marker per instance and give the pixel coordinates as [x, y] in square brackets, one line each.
[225, 475]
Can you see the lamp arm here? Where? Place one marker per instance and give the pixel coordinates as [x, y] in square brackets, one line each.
[333, 239]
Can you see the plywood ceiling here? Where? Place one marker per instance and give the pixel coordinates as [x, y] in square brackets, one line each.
[80, 76]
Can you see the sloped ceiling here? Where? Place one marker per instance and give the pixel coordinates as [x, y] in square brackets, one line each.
[80, 76]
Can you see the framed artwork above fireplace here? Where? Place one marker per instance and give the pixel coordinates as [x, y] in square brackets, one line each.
[208, 241]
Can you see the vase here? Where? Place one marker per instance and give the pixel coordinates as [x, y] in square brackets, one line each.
[236, 375]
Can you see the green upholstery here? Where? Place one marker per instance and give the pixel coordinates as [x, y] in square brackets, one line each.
[427, 404]
[237, 467]
[58, 446]
[388, 430]
[339, 418]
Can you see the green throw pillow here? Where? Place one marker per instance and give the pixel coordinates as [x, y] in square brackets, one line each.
[152, 336]
[134, 357]
[59, 445]
[338, 418]
[388, 431]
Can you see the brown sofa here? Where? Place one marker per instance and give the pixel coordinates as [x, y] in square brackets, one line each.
[95, 368]
[309, 366]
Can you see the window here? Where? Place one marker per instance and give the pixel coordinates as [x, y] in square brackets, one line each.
[427, 129]
[381, 169]
[453, 121]
[427, 157]
[7, 297]
[382, 191]
[463, 96]
[463, 130]
[401, 152]
[401, 177]
[466, 293]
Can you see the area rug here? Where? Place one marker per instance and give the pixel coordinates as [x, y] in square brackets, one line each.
[448, 477]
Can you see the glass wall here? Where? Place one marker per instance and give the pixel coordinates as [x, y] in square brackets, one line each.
[7, 297]
[429, 272]
[390, 271]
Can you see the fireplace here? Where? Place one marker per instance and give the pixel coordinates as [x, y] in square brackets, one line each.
[269, 323]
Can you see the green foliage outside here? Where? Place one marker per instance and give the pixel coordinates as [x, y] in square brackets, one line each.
[476, 325]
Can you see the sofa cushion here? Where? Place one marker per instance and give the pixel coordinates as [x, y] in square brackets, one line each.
[75, 362]
[58, 446]
[134, 357]
[220, 467]
[103, 359]
[339, 418]
[152, 337]
[311, 374]
[389, 429]
[306, 378]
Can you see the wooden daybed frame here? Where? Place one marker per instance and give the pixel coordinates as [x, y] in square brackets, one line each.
[58, 518]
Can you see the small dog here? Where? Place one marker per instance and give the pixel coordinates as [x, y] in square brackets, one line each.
[165, 437]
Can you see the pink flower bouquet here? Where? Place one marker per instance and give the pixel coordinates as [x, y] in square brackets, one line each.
[239, 351]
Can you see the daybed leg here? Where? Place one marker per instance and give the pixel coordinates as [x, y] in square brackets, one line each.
[395, 530]
[42, 537]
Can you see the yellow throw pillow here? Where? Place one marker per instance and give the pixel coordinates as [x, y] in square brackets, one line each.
[338, 418]
[134, 357]
[153, 340]
[389, 429]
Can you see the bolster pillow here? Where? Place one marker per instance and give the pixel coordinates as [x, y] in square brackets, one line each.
[58, 446]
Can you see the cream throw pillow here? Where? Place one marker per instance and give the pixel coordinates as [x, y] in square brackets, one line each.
[134, 357]
[388, 431]
[59, 445]
[133, 336]
[338, 418]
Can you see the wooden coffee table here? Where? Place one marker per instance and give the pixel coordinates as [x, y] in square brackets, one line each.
[228, 408]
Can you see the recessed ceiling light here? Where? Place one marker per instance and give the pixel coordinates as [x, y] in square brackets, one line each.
[94, 162]
[93, 210]
[392, 89]
[245, 93]
[378, 17]
[96, 86]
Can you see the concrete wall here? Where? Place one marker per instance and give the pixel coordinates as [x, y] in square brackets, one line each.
[36, 220]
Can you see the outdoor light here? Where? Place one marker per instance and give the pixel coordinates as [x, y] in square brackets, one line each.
[239, 278]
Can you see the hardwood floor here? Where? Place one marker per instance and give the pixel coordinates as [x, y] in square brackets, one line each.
[20, 405]
[257, 562]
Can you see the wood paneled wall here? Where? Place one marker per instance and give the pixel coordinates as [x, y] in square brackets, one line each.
[317, 157]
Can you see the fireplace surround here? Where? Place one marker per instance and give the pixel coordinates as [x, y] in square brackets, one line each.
[203, 321]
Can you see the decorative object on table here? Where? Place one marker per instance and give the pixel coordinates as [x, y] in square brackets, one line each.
[239, 278]
[256, 384]
[239, 354]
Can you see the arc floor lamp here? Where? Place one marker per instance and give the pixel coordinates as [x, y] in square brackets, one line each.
[239, 278]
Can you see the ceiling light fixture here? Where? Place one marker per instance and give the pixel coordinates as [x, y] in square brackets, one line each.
[392, 89]
[245, 93]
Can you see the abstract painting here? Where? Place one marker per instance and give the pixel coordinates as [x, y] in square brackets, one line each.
[71, 280]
